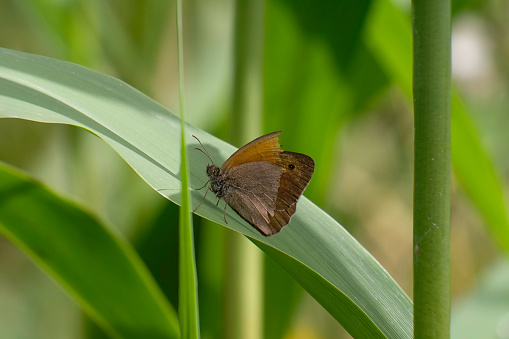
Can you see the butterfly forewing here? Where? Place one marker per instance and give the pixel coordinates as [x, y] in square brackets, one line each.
[264, 148]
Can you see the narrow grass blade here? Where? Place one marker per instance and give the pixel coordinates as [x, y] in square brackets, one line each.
[188, 285]
[188, 282]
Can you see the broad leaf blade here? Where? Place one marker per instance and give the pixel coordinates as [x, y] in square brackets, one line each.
[314, 248]
[101, 272]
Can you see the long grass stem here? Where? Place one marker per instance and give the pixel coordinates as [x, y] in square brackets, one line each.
[245, 265]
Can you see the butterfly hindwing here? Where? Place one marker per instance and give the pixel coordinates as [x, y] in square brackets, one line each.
[297, 171]
[252, 192]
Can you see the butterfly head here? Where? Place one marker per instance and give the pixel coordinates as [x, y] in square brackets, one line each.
[213, 171]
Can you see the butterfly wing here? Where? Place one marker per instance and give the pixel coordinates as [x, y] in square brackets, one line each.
[264, 148]
[297, 171]
[265, 193]
[252, 193]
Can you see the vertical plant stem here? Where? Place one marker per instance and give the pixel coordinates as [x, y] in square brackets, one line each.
[188, 289]
[244, 293]
[248, 81]
[432, 104]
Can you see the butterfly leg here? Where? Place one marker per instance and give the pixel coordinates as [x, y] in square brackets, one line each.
[202, 200]
[197, 189]
[224, 212]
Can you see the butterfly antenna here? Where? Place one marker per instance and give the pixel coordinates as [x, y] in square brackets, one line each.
[202, 200]
[204, 151]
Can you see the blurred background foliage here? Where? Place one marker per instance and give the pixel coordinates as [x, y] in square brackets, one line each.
[337, 77]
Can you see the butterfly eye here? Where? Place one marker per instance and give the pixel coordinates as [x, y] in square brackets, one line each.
[291, 166]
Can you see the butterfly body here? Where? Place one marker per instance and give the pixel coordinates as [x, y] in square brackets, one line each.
[218, 185]
[262, 183]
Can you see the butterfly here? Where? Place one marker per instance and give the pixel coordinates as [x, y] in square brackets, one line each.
[261, 182]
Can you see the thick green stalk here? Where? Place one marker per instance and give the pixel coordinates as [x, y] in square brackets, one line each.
[244, 292]
[188, 282]
[432, 105]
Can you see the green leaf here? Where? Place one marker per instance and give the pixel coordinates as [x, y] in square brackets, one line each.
[321, 255]
[98, 269]
[476, 172]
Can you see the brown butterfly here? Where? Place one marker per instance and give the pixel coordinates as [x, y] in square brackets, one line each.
[262, 183]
